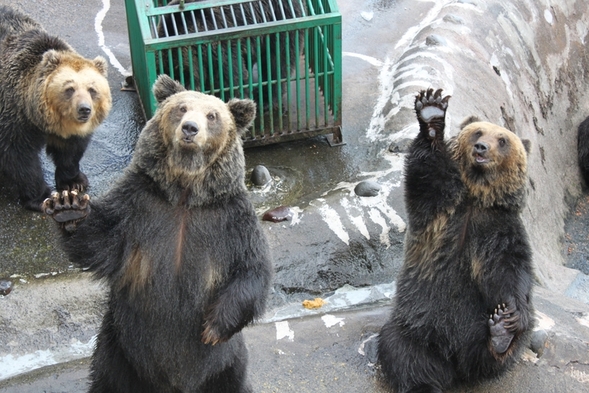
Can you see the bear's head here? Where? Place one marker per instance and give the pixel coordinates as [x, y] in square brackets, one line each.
[76, 97]
[492, 162]
[194, 141]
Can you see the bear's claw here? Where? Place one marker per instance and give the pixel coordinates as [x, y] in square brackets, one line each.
[67, 208]
[501, 326]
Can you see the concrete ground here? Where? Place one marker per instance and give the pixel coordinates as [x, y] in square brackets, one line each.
[48, 321]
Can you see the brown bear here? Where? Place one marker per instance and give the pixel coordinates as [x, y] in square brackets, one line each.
[51, 97]
[179, 243]
[462, 311]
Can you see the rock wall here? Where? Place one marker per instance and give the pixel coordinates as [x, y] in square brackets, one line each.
[523, 65]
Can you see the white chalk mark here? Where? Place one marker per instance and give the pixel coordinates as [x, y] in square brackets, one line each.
[363, 344]
[98, 28]
[544, 322]
[284, 331]
[357, 220]
[369, 59]
[584, 320]
[331, 320]
[334, 222]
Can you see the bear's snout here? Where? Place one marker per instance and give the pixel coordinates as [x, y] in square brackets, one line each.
[189, 129]
[480, 150]
[84, 112]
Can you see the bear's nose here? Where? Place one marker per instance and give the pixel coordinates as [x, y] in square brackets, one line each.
[190, 128]
[84, 110]
[481, 147]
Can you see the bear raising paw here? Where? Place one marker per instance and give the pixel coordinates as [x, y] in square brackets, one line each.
[466, 249]
[180, 245]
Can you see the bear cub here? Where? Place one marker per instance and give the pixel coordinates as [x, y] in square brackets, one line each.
[179, 242]
[462, 311]
[51, 97]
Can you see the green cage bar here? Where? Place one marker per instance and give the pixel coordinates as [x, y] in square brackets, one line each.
[284, 54]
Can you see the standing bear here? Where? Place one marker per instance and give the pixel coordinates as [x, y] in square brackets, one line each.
[181, 247]
[49, 96]
[462, 310]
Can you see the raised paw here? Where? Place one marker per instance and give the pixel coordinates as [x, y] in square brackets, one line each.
[67, 208]
[430, 108]
[501, 328]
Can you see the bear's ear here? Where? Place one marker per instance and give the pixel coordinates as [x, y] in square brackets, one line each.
[165, 87]
[51, 60]
[468, 120]
[527, 145]
[243, 111]
[101, 64]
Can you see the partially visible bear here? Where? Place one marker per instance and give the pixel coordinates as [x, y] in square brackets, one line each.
[462, 311]
[179, 243]
[49, 96]
[583, 149]
[257, 61]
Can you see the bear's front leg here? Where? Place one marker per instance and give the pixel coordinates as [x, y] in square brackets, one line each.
[430, 109]
[67, 208]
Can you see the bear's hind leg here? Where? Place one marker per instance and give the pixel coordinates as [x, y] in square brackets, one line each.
[110, 370]
[231, 380]
[410, 367]
[501, 337]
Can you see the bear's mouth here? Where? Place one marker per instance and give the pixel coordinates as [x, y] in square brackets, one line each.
[480, 159]
[83, 118]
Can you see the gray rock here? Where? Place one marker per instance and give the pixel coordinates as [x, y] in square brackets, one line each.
[260, 176]
[367, 188]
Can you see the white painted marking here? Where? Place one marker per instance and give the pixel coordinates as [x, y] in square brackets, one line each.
[331, 320]
[357, 220]
[283, 331]
[98, 28]
[548, 16]
[369, 59]
[11, 365]
[363, 344]
[544, 321]
[333, 221]
[584, 320]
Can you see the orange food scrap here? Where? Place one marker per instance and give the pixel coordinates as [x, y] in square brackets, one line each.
[313, 304]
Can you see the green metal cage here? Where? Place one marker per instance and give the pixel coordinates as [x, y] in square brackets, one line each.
[284, 54]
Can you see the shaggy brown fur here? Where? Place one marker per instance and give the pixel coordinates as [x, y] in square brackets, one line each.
[463, 307]
[181, 246]
[51, 97]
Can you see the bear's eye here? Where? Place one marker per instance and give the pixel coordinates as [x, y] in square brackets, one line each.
[183, 109]
[69, 92]
[479, 133]
[502, 142]
[92, 92]
[211, 116]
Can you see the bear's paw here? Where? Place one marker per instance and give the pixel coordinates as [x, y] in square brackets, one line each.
[67, 208]
[430, 108]
[501, 326]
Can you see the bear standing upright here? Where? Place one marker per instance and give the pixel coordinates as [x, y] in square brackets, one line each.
[49, 96]
[179, 243]
[462, 311]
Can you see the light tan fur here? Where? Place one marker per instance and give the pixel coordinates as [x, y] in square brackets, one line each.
[88, 79]
[506, 173]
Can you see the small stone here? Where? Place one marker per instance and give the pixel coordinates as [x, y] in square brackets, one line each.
[538, 342]
[367, 188]
[5, 287]
[281, 213]
[435, 39]
[260, 176]
[401, 146]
